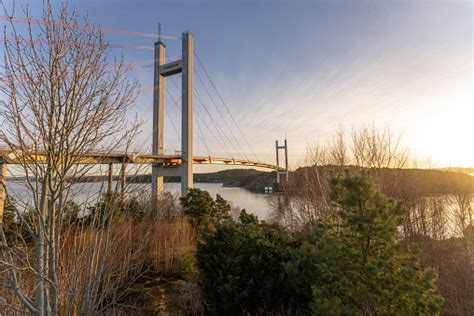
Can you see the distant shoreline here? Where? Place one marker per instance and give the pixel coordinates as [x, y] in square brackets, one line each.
[432, 180]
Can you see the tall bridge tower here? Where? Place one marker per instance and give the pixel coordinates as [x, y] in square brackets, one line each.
[278, 172]
[161, 71]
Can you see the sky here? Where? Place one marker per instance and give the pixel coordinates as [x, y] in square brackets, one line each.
[301, 68]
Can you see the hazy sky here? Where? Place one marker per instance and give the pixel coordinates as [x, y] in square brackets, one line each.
[302, 67]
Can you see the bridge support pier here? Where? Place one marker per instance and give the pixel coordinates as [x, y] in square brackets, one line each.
[3, 184]
[123, 183]
[110, 177]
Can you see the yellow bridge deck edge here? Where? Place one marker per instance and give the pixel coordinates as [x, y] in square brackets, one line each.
[10, 157]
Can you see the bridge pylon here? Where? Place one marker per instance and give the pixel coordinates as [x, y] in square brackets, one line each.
[278, 172]
[161, 71]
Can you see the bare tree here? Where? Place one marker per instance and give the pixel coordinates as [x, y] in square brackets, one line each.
[461, 203]
[337, 148]
[316, 155]
[374, 148]
[307, 192]
[62, 97]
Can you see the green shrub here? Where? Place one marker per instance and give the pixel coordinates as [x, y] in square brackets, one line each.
[202, 211]
[241, 267]
[188, 264]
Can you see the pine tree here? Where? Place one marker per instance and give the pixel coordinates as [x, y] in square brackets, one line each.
[351, 264]
[360, 267]
[202, 211]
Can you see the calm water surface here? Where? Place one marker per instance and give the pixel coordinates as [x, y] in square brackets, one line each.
[257, 204]
[238, 197]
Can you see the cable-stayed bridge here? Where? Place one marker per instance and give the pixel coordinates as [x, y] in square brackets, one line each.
[227, 132]
[167, 161]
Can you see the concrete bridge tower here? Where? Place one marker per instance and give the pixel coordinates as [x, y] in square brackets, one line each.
[281, 173]
[161, 71]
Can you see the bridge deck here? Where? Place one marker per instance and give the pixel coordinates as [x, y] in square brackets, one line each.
[10, 157]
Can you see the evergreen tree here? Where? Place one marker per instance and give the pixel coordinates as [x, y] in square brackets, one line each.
[222, 208]
[247, 219]
[10, 227]
[71, 213]
[202, 211]
[9, 213]
[107, 211]
[359, 266]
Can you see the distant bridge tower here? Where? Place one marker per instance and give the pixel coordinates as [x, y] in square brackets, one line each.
[161, 71]
[280, 173]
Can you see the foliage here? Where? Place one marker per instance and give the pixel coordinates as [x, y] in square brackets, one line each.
[454, 269]
[187, 263]
[247, 219]
[202, 211]
[350, 264]
[71, 212]
[241, 268]
[402, 182]
[134, 208]
[19, 226]
[9, 212]
[357, 265]
[250, 179]
[110, 209]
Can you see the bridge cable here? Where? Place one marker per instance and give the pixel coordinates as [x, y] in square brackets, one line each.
[220, 113]
[222, 144]
[172, 124]
[218, 127]
[155, 128]
[200, 133]
[225, 104]
[220, 132]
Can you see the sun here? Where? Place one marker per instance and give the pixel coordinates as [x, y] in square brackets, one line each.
[446, 132]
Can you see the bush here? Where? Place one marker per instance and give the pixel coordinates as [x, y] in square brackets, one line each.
[111, 210]
[241, 267]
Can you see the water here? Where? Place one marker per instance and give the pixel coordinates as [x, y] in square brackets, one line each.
[254, 203]
[258, 204]
[86, 193]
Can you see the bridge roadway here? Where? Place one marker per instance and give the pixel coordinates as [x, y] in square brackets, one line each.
[9, 157]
